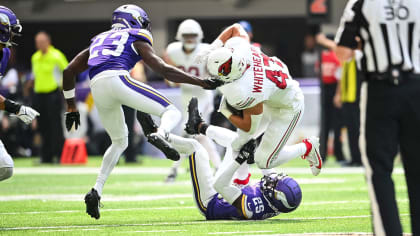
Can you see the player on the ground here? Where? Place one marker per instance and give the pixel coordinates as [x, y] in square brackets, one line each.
[181, 54]
[274, 194]
[10, 27]
[260, 97]
[109, 58]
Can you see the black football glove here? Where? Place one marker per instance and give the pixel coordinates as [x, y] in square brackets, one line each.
[247, 152]
[212, 83]
[72, 118]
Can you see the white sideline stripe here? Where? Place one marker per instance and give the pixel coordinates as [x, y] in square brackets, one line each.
[176, 223]
[165, 170]
[241, 232]
[79, 197]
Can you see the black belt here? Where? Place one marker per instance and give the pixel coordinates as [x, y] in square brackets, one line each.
[395, 77]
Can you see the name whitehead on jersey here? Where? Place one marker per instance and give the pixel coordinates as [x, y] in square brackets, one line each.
[258, 71]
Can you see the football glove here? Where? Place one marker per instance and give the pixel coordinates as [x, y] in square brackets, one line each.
[212, 84]
[27, 114]
[72, 118]
[247, 152]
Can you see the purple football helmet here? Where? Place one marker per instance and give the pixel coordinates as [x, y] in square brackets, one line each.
[130, 16]
[282, 191]
[9, 26]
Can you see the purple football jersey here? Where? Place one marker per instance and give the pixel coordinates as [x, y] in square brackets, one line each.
[4, 60]
[257, 206]
[114, 50]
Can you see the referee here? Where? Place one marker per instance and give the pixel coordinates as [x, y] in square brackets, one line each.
[390, 34]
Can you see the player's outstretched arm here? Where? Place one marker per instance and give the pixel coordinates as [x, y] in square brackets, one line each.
[75, 67]
[24, 113]
[249, 120]
[235, 30]
[222, 183]
[171, 73]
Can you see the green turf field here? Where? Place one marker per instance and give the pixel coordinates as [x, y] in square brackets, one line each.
[48, 200]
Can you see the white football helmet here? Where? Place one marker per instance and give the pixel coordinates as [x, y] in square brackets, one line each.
[189, 26]
[226, 65]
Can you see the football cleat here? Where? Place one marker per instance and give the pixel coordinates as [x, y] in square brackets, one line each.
[194, 117]
[93, 202]
[160, 142]
[312, 154]
[147, 123]
[172, 176]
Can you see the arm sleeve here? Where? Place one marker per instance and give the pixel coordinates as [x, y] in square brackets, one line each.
[350, 24]
[223, 182]
[141, 34]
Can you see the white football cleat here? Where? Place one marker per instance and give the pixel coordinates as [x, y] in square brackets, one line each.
[312, 154]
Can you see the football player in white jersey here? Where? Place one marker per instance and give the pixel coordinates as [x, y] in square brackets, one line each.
[181, 54]
[260, 97]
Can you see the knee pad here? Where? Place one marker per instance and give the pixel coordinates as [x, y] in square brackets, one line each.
[5, 173]
[121, 143]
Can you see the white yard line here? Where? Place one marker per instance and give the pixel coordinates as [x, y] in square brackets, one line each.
[102, 210]
[164, 170]
[176, 223]
[157, 231]
[241, 232]
[79, 197]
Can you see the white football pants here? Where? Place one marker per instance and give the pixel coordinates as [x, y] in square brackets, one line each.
[6, 163]
[110, 90]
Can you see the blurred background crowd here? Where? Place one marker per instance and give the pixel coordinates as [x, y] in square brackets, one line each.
[298, 32]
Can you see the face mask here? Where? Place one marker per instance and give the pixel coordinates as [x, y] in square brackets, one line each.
[189, 46]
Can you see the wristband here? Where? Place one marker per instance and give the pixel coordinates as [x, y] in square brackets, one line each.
[69, 93]
[225, 112]
[217, 44]
[11, 106]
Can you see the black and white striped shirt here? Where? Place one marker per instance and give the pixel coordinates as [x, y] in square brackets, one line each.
[389, 30]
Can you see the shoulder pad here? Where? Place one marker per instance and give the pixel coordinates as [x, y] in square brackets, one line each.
[142, 34]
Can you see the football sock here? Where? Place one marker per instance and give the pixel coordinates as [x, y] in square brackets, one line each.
[169, 119]
[111, 157]
[222, 136]
[209, 145]
[288, 153]
[242, 172]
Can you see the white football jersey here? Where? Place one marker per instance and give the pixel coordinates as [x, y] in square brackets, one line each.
[186, 63]
[266, 79]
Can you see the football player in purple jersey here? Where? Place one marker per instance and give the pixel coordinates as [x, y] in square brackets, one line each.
[10, 27]
[215, 196]
[109, 58]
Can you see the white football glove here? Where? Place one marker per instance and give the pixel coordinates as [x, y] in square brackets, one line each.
[202, 55]
[27, 114]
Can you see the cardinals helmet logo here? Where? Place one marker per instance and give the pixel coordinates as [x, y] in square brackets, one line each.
[225, 68]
